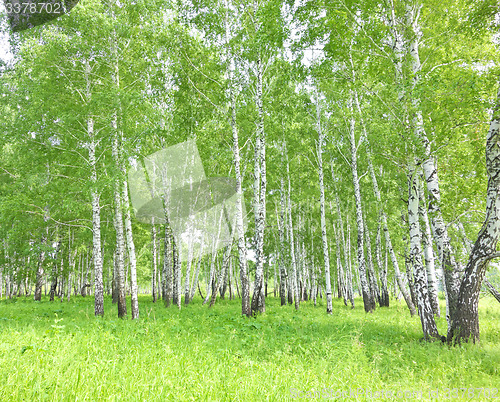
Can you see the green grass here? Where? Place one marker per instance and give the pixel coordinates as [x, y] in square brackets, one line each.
[60, 351]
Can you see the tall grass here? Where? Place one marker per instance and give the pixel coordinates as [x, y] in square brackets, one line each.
[59, 351]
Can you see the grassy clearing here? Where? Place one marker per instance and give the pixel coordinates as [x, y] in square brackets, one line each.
[60, 351]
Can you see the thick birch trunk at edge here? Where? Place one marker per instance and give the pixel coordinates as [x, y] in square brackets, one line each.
[465, 321]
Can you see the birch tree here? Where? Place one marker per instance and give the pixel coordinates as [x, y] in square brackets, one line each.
[415, 257]
[326, 256]
[465, 321]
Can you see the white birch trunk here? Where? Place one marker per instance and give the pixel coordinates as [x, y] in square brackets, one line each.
[155, 264]
[295, 281]
[177, 277]
[131, 254]
[369, 303]
[429, 256]
[188, 274]
[440, 232]
[260, 184]
[168, 263]
[340, 269]
[415, 257]
[222, 273]
[382, 269]
[387, 235]
[281, 230]
[240, 227]
[120, 241]
[96, 225]
[196, 275]
[347, 246]
[324, 238]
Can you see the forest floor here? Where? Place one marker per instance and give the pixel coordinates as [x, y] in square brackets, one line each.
[59, 351]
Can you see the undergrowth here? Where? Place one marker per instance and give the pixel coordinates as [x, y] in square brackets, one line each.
[59, 351]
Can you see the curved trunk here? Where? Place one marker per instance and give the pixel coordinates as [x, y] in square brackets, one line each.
[465, 321]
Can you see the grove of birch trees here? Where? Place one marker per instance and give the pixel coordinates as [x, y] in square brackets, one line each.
[363, 137]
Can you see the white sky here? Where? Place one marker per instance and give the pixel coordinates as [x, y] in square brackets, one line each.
[5, 53]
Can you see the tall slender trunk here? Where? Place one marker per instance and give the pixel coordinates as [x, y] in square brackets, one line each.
[429, 256]
[409, 275]
[368, 301]
[196, 275]
[415, 257]
[223, 288]
[260, 184]
[131, 254]
[222, 273]
[439, 228]
[39, 271]
[55, 274]
[340, 269]
[281, 230]
[399, 50]
[120, 242]
[240, 227]
[382, 269]
[347, 246]
[324, 238]
[116, 151]
[291, 237]
[96, 208]
[188, 274]
[2, 268]
[168, 263]
[177, 277]
[372, 278]
[155, 261]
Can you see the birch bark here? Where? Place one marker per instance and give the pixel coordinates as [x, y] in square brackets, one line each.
[429, 256]
[260, 184]
[131, 254]
[281, 230]
[415, 257]
[440, 232]
[168, 263]
[465, 321]
[369, 303]
[295, 280]
[155, 265]
[324, 238]
[240, 227]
